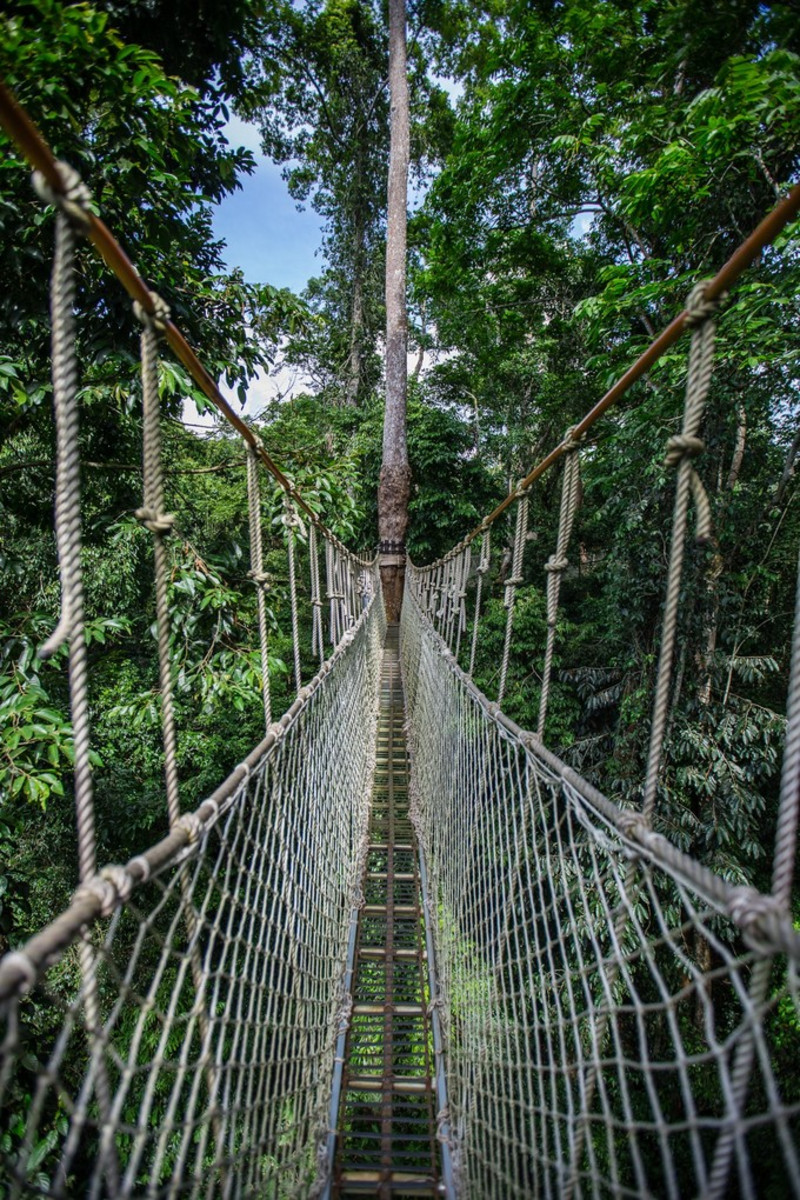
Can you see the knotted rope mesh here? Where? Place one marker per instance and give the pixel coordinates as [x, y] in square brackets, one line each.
[221, 1086]
[543, 987]
[614, 1013]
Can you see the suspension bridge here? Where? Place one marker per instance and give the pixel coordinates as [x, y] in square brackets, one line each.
[403, 949]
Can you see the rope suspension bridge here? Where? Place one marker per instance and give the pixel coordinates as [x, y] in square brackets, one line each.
[402, 949]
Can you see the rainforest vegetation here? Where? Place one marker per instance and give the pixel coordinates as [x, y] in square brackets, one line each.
[576, 167]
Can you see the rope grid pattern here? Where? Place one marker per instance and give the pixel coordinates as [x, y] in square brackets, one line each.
[579, 952]
[569, 949]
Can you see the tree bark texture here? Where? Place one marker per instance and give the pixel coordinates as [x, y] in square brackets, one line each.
[394, 488]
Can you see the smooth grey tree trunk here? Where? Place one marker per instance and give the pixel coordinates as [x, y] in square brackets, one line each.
[394, 488]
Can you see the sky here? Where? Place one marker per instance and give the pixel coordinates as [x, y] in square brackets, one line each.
[273, 243]
[266, 235]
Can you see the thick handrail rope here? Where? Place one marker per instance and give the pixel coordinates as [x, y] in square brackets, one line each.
[23, 132]
[761, 237]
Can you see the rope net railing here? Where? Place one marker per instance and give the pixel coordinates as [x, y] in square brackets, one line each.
[582, 966]
[616, 1016]
[216, 1081]
[172, 1031]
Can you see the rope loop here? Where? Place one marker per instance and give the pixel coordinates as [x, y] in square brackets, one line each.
[570, 442]
[18, 962]
[262, 579]
[74, 198]
[633, 825]
[192, 826]
[291, 518]
[158, 318]
[119, 879]
[746, 907]
[698, 307]
[155, 521]
[142, 866]
[682, 446]
[101, 889]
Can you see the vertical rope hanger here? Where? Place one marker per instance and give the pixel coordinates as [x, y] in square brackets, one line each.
[160, 524]
[461, 599]
[72, 207]
[292, 522]
[483, 567]
[71, 210]
[259, 576]
[317, 639]
[557, 564]
[681, 450]
[512, 583]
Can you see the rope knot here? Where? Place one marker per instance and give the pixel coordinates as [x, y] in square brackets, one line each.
[290, 517]
[73, 199]
[683, 446]
[141, 866]
[156, 522]
[747, 907]
[192, 826]
[555, 565]
[99, 888]
[633, 825]
[570, 442]
[698, 308]
[277, 730]
[18, 962]
[262, 579]
[158, 318]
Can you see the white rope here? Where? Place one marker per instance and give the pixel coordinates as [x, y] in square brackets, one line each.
[680, 452]
[512, 583]
[259, 576]
[556, 565]
[160, 523]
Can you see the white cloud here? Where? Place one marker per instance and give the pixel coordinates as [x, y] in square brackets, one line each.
[242, 133]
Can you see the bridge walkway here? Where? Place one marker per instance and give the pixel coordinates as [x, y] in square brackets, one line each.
[386, 1141]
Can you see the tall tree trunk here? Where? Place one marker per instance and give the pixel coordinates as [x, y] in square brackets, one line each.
[356, 323]
[394, 488]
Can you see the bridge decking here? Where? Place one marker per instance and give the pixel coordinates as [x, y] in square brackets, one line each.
[387, 1143]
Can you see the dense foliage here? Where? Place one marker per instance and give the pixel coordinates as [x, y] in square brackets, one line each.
[597, 161]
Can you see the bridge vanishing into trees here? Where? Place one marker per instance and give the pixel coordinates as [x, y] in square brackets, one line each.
[403, 949]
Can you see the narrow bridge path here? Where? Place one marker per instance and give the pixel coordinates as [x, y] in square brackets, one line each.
[387, 1142]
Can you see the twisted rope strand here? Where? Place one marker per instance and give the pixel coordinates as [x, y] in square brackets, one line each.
[160, 524]
[786, 835]
[259, 576]
[680, 452]
[72, 205]
[555, 567]
[512, 583]
[291, 521]
[483, 567]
